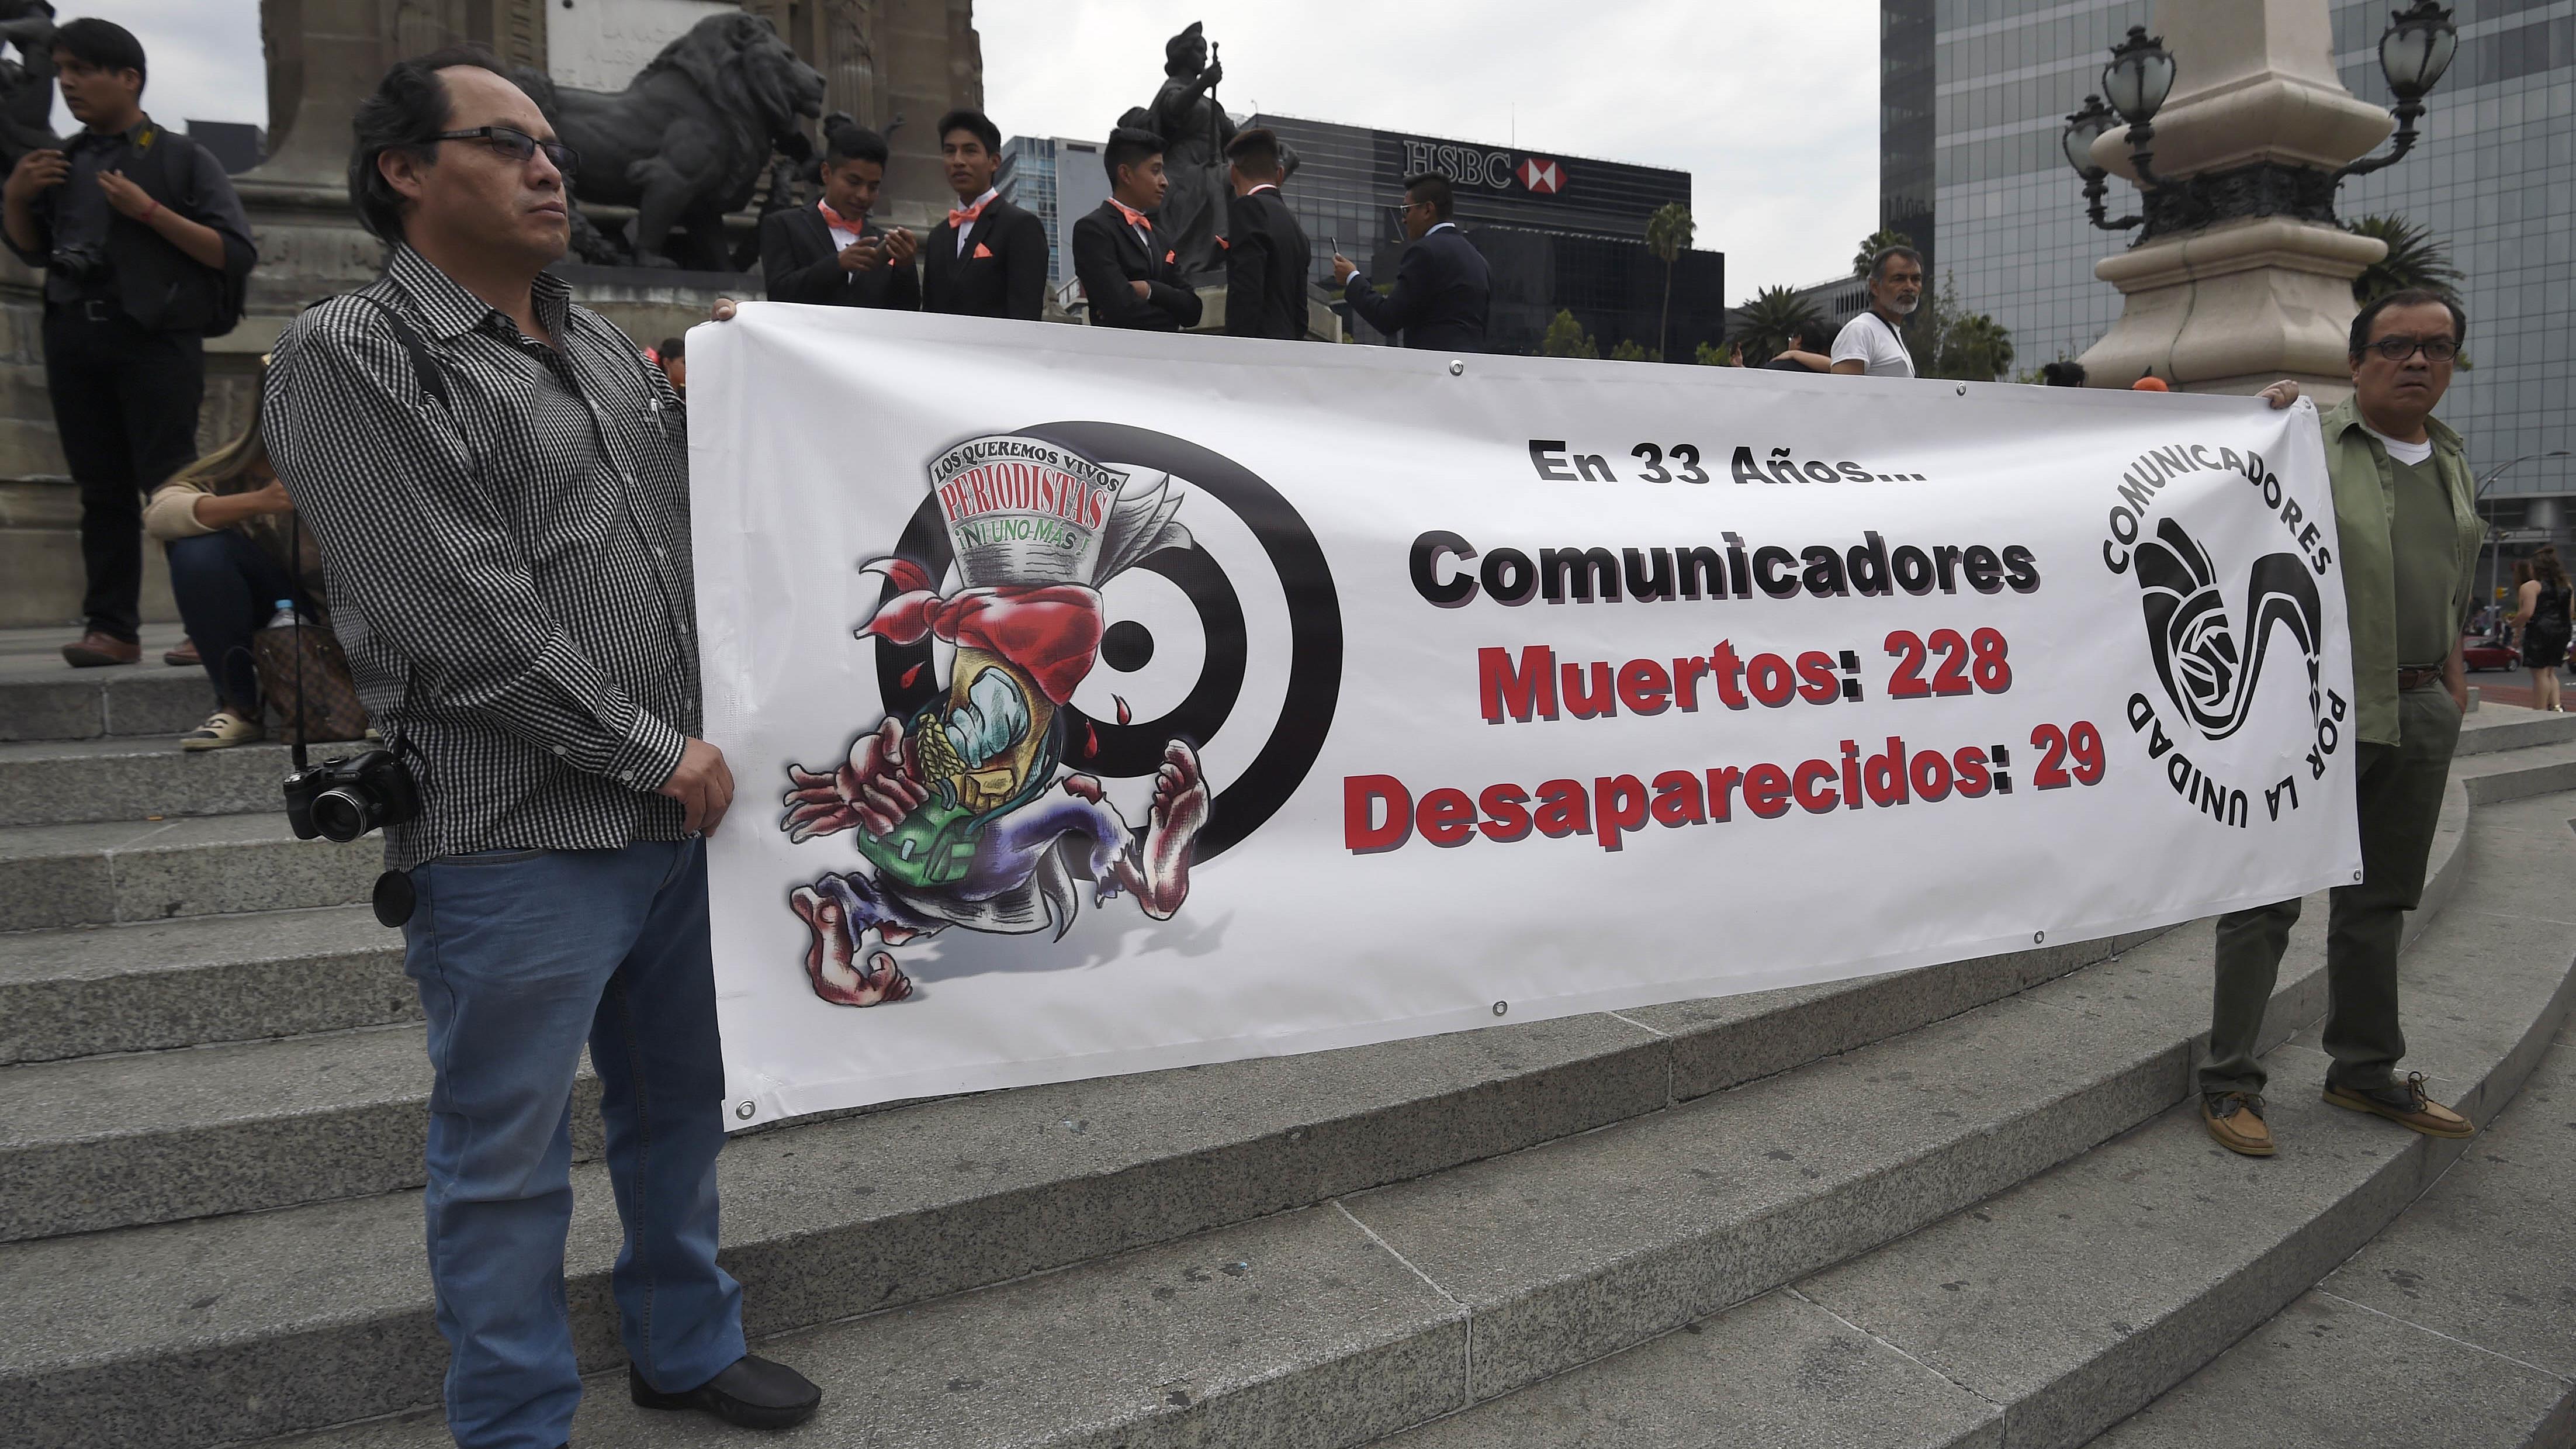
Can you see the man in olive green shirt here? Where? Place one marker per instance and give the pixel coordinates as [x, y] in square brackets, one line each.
[2406, 525]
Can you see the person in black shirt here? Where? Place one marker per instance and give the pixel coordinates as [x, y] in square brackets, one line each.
[1266, 251]
[1442, 287]
[145, 251]
[1127, 273]
[830, 253]
[990, 258]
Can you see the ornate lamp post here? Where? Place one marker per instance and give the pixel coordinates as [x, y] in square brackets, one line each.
[2237, 271]
[2413, 54]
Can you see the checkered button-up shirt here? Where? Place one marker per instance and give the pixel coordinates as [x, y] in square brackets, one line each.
[509, 570]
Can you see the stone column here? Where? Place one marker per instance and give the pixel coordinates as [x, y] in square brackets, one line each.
[2245, 278]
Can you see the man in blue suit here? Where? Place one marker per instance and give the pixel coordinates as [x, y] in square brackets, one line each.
[1442, 289]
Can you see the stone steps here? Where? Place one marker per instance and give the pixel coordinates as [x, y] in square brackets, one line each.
[80, 990]
[2459, 1319]
[2047, 1312]
[823, 1218]
[1380, 1310]
[109, 873]
[41, 698]
[136, 777]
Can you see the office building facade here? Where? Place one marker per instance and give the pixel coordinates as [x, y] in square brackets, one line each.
[1973, 96]
[1059, 179]
[1560, 232]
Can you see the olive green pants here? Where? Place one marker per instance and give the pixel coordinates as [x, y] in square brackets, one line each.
[2400, 804]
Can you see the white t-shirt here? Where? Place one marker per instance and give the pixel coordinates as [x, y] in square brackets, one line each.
[2410, 454]
[1880, 351]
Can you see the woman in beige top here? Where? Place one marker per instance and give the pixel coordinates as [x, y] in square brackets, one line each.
[227, 524]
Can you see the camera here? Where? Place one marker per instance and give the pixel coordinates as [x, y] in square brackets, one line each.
[342, 799]
[83, 263]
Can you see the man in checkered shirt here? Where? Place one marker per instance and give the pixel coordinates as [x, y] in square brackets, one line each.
[508, 549]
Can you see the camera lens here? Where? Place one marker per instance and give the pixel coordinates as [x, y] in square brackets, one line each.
[345, 814]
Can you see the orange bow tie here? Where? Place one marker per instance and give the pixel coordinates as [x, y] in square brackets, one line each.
[966, 218]
[845, 223]
[1135, 218]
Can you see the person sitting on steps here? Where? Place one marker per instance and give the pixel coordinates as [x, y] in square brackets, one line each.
[231, 535]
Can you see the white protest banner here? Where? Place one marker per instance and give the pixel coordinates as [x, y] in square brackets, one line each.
[1100, 702]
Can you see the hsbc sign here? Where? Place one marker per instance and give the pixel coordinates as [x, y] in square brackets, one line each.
[1478, 167]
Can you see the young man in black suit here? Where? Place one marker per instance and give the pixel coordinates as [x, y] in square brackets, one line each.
[1266, 252]
[989, 259]
[1442, 288]
[1127, 272]
[830, 254]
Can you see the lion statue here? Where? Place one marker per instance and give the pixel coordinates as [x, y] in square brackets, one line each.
[690, 137]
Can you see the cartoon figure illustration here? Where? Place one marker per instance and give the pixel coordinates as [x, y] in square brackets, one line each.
[959, 810]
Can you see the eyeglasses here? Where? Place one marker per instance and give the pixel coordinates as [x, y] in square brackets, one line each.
[2398, 349]
[518, 145]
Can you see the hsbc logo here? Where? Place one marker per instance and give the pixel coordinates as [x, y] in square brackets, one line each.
[1487, 170]
[1542, 176]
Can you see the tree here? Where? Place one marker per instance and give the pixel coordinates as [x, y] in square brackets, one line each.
[1712, 355]
[1566, 338]
[1975, 349]
[1764, 325]
[1877, 242]
[1949, 342]
[2415, 260]
[1668, 235]
[1631, 350]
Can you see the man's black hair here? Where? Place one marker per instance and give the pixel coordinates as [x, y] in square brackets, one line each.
[1433, 188]
[1128, 146]
[104, 44]
[2061, 373]
[1256, 151]
[967, 118]
[410, 106]
[1878, 264]
[672, 347]
[854, 143]
[2410, 297]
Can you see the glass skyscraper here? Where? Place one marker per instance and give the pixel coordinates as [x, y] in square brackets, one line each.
[1985, 190]
[1062, 181]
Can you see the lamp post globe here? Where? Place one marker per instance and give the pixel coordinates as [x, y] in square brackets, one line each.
[2139, 77]
[2082, 129]
[2417, 48]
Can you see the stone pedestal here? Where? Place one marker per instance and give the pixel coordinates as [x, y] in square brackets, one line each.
[2241, 302]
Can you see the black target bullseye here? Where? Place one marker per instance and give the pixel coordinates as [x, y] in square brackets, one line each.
[1127, 646]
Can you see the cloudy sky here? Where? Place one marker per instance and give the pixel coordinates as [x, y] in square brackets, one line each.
[1772, 107]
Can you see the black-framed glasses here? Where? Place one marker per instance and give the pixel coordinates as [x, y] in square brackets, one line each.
[518, 145]
[2398, 349]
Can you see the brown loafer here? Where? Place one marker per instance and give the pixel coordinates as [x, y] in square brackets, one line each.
[2407, 1106]
[2235, 1119]
[185, 656]
[93, 649]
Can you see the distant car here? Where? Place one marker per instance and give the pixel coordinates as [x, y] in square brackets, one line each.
[2484, 653]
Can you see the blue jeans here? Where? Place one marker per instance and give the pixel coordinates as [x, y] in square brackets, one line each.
[521, 956]
[227, 588]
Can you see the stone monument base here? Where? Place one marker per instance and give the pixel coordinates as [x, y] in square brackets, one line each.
[2234, 308]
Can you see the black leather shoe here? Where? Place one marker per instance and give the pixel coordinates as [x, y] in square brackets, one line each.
[754, 1393]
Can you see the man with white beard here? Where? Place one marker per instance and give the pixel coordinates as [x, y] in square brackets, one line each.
[1874, 341]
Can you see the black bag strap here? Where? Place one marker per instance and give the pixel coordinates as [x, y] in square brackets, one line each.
[433, 380]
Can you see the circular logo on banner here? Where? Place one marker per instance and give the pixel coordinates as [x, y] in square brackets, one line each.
[2216, 626]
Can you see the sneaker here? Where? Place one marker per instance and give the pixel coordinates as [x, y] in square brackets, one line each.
[2235, 1119]
[183, 657]
[93, 649]
[222, 730]
[2407, 1106]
